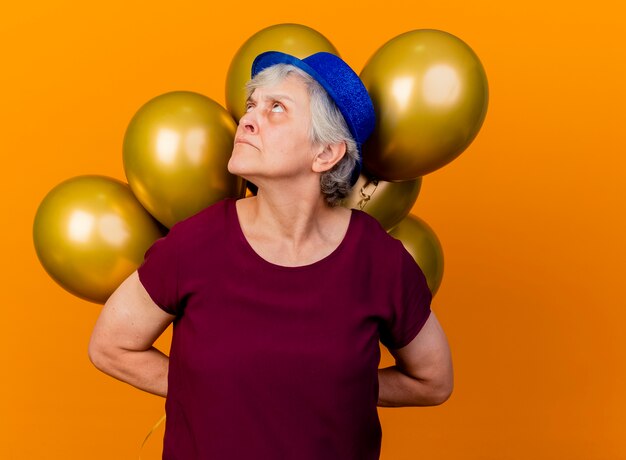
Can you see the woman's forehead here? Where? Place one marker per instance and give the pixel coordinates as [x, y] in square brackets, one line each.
[291, 88]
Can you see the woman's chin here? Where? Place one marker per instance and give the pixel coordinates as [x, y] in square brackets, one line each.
[242, 172]
[237, 168]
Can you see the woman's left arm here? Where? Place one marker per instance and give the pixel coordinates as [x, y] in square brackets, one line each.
[423, 373]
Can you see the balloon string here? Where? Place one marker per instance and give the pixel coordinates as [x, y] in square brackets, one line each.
[150, 433]
[365, 197]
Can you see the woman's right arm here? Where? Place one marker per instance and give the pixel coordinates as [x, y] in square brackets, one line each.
[121, 341]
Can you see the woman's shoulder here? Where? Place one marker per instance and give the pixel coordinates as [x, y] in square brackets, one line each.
[202, 223]
[374, 234]
[371, 224]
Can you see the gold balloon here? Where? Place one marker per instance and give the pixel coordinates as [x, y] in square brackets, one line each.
[430, 95]
[388, 202]
[295, 39]
[422, 243]
[176, 152]
[90, 233]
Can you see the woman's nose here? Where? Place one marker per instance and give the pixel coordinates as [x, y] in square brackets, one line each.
[248, 123]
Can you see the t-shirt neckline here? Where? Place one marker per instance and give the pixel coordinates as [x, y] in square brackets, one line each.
[234, 218]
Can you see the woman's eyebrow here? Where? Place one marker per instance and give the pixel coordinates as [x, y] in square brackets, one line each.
[272, 97]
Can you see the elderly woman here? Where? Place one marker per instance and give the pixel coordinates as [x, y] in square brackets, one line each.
[279, 301]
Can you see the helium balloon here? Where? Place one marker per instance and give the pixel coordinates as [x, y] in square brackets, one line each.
[388, 202]
[422, 243]
[295, 39]
[91, 233]
[430, 95]
[176, 152]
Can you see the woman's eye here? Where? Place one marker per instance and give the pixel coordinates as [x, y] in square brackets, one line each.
[248, 107]
[277, 107]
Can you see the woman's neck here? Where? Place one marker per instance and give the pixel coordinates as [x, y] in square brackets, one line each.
[297, 221]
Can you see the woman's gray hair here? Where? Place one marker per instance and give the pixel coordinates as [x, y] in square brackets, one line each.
[327, 127]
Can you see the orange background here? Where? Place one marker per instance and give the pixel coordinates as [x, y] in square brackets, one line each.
[531, 216]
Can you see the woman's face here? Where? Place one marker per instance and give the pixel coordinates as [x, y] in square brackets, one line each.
[272, 139]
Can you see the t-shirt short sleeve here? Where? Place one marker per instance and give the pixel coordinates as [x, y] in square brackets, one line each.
[410, 306]
[159, 273]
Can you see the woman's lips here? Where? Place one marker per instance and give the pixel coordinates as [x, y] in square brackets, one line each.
[241, 140]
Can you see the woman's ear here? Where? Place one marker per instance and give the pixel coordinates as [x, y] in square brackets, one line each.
[328, 156]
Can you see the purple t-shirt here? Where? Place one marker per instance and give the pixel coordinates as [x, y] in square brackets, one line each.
[269, 362]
